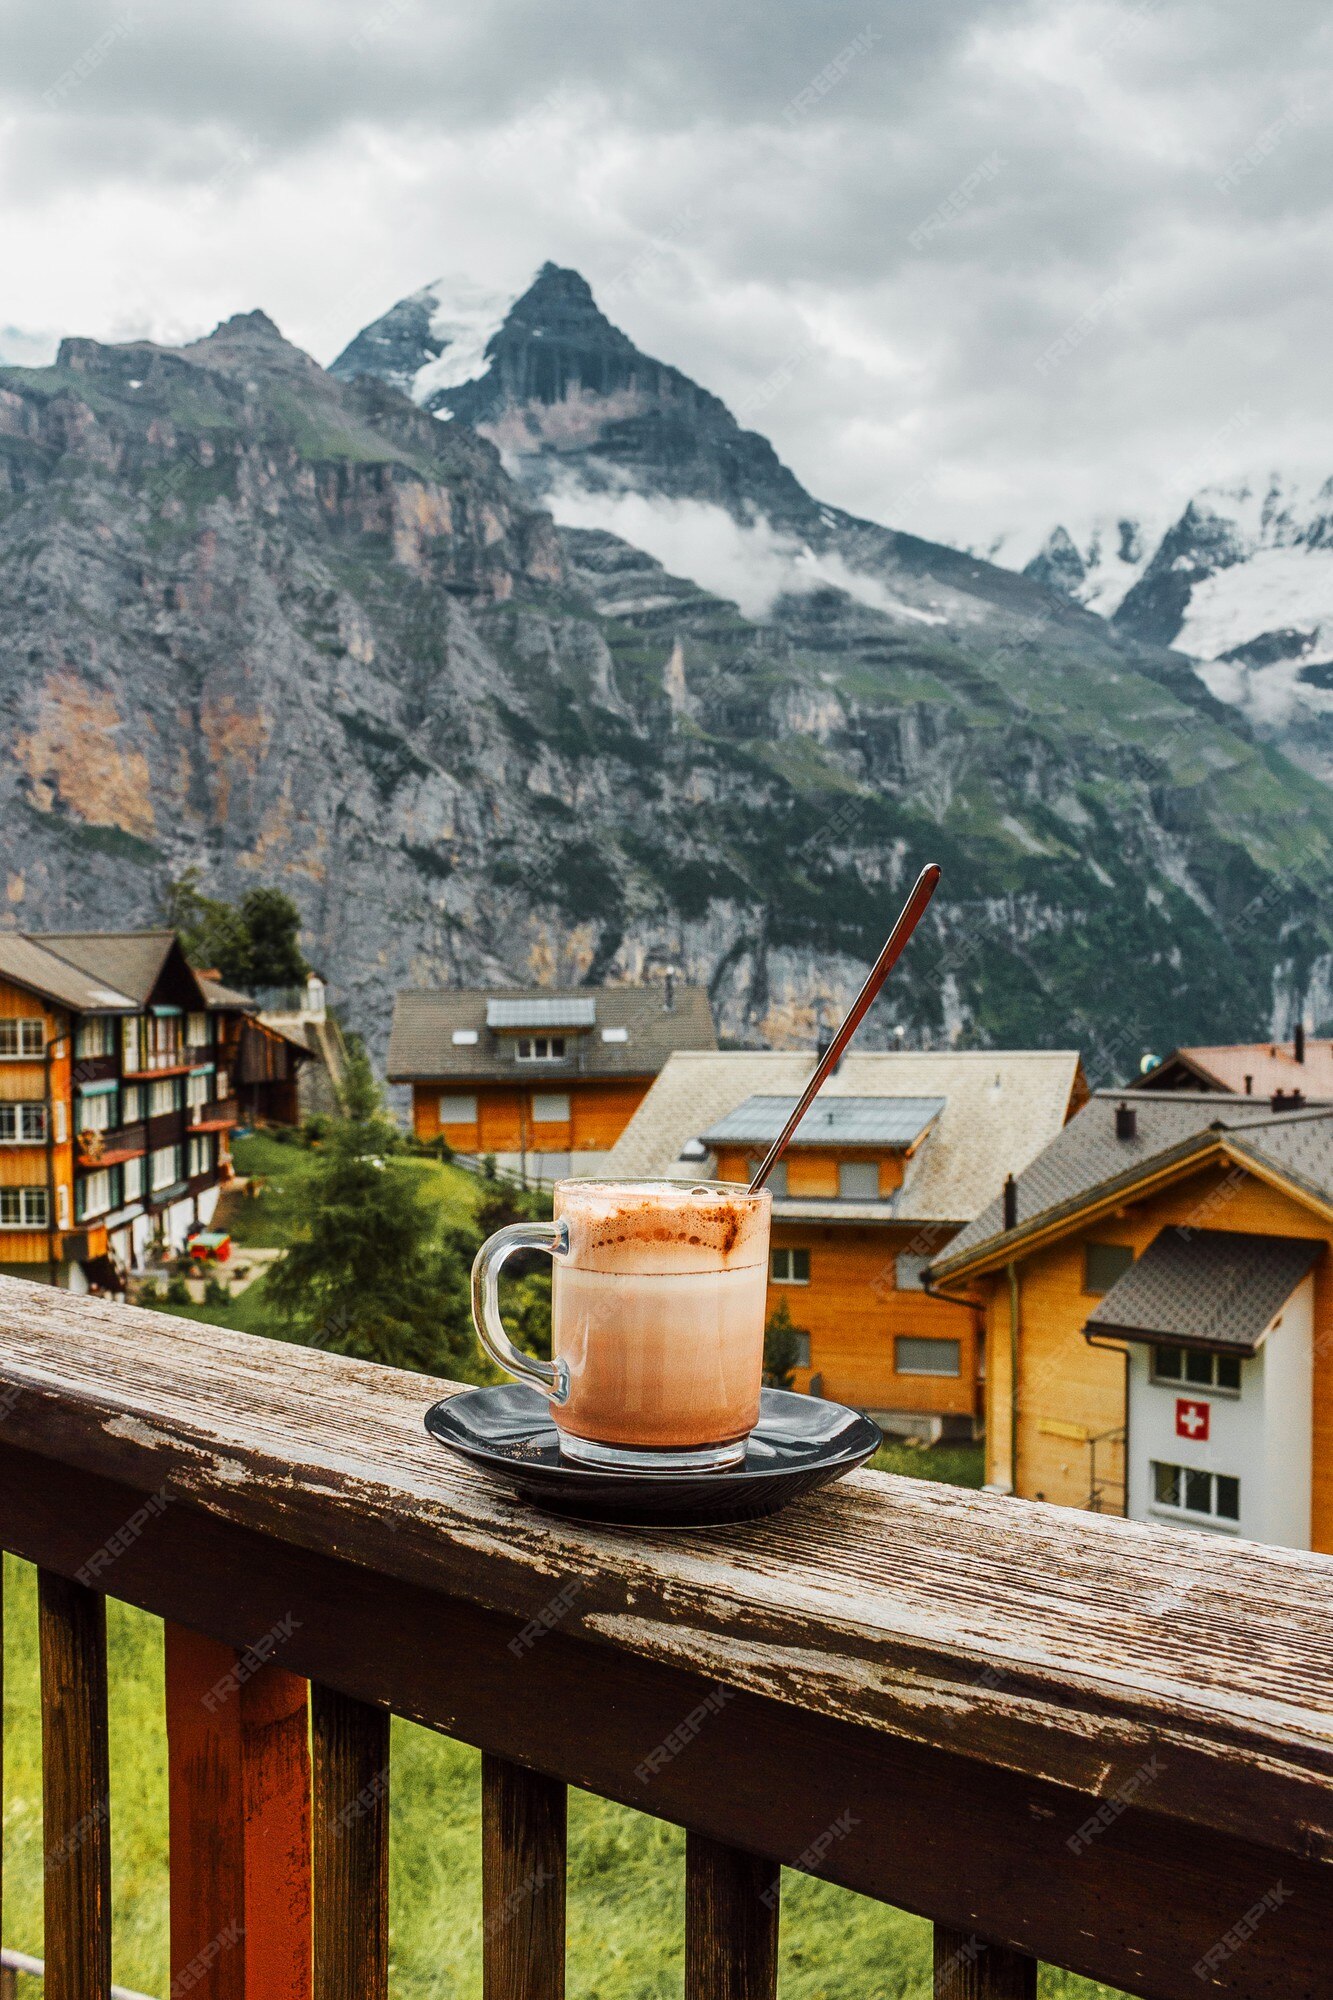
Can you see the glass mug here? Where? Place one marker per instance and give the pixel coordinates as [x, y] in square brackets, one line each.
[657, 1320]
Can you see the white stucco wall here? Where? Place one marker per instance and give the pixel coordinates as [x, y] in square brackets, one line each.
[1263, 1436]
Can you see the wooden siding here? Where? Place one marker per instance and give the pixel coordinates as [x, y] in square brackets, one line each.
[26, 1082]
[812, 1171]
[853, 1311]
[599, 1112]
[1069, 1390]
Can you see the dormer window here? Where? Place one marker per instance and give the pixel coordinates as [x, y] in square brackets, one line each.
[540, 1048]
[465, 1038]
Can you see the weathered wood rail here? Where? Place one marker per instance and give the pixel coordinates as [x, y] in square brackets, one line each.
[1056, 1735]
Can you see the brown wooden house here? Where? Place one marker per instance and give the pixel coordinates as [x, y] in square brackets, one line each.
[543, 1079]
[116, 1101]
[897, 1154]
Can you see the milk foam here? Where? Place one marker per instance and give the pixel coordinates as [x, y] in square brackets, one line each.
[666, 1226]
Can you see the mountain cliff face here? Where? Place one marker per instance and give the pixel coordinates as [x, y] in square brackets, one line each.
[300, 627]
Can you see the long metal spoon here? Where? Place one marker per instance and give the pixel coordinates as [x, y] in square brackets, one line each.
[912, 912]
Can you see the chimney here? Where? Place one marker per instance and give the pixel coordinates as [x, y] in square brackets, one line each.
[1010, 1202]
[1249, 1086]
[1298, 1043]
[669, 990]
[1286, 1100]
[1126, 1121]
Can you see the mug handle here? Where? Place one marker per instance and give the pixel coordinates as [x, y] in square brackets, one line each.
[552, 1377]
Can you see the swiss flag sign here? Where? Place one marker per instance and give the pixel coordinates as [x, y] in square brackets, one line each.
[1192, 1419]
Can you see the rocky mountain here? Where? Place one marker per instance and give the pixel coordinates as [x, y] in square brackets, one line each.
[1242, 581]
[298, 626]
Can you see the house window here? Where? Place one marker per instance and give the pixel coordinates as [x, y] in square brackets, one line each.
[802, 1349]
[133, 1187]
[96, 1112]
[22, 1038]
[550, 1107]
[458, 1110]
[858, 1180]
[540, 1048]
[164, 1096]
[165, 1167]
[23, 1124]
[23, 1208]
[96, 1194]
[615, 1034]
[132, 1103]
[221, 1083]
[60, 1121]
[96, 1037]
[927, 1357]
[197, 1031]
[1103, 1264]
[791, 1267]
[62, 1206]
[1183, 1489]
[1201, 1371]
[131, 1053]
[197, 1088]
[201, 1154]
[910, 1271]
[464, 1038]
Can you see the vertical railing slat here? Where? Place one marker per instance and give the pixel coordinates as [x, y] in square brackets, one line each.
[351, 1840]
[522, 1883]
[731, 1922]
[76, 1790]
[967, 1968]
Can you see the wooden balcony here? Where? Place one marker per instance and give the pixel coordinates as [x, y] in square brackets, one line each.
[1058, 1736]
[218, 1115]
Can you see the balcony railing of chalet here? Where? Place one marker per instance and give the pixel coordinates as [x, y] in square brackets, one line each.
[213, 1115]
[1059, 1736]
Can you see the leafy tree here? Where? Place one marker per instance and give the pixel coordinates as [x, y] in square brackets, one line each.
[273, 922]
[374, 1276]
[782, 1346]
[253, 945]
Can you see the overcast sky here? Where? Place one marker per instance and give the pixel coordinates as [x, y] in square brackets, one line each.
[974, 267]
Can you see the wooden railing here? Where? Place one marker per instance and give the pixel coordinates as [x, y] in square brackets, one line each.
[1058, 1736]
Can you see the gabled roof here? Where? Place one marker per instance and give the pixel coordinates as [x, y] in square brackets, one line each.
[1245, 1069]
[132, 960]
[27, 963]
[1088, 1163]
[1000, 1109]
[644, 1032]
[1217, 1289]
[830, 1121]
[219, 996]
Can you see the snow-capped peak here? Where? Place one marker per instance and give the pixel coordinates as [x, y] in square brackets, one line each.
[464, 319]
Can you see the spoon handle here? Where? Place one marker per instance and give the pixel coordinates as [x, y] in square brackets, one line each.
[912, 912]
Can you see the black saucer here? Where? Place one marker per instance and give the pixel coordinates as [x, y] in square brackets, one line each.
[800, 1442]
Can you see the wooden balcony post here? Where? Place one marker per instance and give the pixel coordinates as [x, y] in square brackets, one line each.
[522, 1883]
[76, 1790]
[731, 1922]
[351, 1825]
[239, 1786]
[967, 1968]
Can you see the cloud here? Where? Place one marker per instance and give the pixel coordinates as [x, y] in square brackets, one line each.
[921, 203]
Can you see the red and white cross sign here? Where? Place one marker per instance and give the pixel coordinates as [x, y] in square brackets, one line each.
[1192, 1419]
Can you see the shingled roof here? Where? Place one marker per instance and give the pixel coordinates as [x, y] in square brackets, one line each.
[643, 1030]
[1090, 1160]
[28, 963]
[1000, 1107]
[1217, 1289]
[1245, 1069]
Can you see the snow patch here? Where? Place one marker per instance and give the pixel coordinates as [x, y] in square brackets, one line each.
[1270, 590]
[465, 318]
[751, 564]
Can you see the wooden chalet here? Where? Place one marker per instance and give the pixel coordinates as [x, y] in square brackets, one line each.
[1294, 1072]
[897, 1154]
[1157, 1293]
[117, 1095]
[544, 1079]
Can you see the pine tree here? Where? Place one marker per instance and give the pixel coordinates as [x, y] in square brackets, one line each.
[782, 1346]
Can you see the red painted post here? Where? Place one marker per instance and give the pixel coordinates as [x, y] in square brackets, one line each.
[239, 1785]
